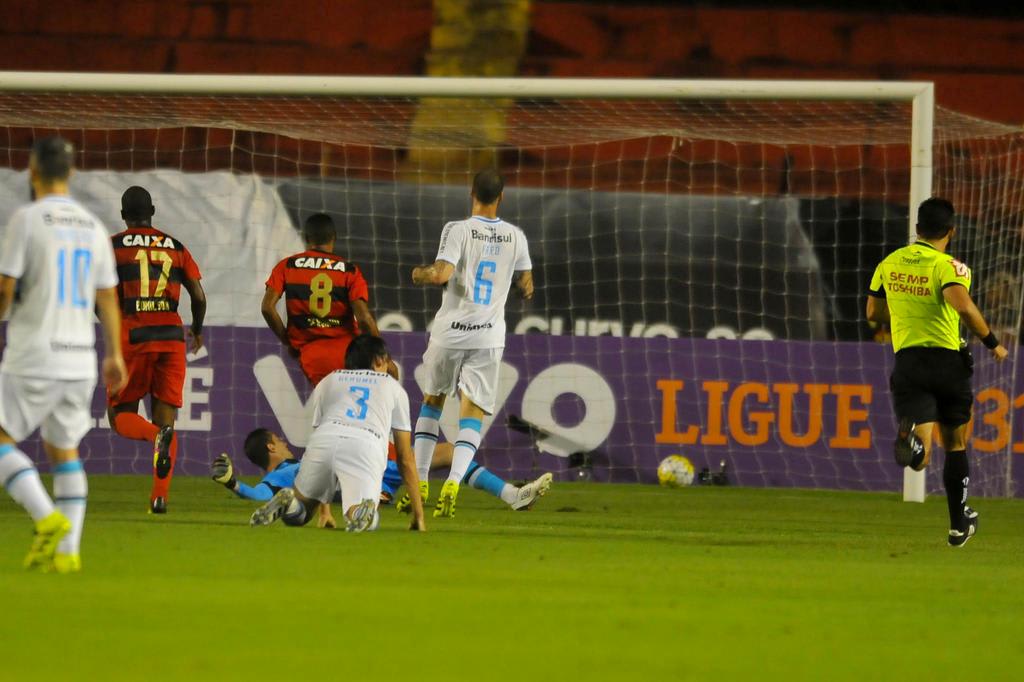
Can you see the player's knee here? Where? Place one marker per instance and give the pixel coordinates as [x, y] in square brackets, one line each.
[60, 455]
[164, 414]
[954, 437]
[471, 409]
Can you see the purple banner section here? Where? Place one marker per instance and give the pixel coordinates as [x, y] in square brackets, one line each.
[776, 413]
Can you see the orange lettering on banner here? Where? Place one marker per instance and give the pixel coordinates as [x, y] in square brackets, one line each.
[816, 393]
[846, 416]
[668, 434]
[760, 419]
[996, 419]
[1018, 403]
[716, 396]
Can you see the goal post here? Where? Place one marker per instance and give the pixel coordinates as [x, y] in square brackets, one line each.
[358, 129]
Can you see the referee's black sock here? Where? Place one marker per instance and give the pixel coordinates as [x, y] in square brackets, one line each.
[955, 475]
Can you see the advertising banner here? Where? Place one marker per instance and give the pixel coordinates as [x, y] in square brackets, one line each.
[775, 413]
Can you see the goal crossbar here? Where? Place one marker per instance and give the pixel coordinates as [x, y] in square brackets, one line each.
[421, 86]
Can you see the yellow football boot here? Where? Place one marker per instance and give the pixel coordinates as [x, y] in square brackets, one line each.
[446, 502]
[67, 563]
[49, 531]
[404, 504]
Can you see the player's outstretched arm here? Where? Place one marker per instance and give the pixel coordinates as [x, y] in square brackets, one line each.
[197, 296]
[524, 283]
[223, 472]
[960, 300]
[407, 467]
[438, 273]
[115, 374]
[877, 310]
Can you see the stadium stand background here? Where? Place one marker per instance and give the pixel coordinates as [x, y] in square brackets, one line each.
[730, 40]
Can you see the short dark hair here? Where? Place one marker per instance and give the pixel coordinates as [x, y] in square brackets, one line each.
[488, 185]
[318, 229]
[137, 205]
[256, 448]
[363, 350]
[54, 157]
[935, 218]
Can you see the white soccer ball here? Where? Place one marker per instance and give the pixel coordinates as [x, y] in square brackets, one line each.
[675, 471]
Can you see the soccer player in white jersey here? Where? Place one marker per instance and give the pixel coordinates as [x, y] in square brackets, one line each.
[353, 411]
[479, 260]
[56, 267]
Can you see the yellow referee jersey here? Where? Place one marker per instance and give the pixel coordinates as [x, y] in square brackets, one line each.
[911, 281]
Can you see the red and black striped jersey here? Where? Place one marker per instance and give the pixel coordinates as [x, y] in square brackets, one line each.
[318, 288]
[151, 266]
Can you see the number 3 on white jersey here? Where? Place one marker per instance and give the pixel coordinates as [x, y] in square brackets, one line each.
[362, 397]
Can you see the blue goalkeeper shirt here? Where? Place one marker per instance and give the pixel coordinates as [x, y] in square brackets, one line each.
[283, 476]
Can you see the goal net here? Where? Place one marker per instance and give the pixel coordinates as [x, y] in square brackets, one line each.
[701, 261]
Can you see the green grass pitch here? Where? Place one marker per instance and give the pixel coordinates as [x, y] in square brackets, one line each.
[598, 582]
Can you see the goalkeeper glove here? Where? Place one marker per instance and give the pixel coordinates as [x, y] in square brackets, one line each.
[222, 472]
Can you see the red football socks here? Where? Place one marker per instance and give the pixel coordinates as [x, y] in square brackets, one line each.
[131, 425]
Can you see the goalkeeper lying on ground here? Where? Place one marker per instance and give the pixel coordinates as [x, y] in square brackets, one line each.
[271, 454]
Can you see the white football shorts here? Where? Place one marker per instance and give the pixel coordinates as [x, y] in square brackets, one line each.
[61, 407]
[355, 464]
[474, 372]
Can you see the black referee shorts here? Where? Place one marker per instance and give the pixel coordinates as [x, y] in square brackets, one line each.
[932, 385]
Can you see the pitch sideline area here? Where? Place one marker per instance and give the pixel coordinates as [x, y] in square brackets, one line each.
[598, 582]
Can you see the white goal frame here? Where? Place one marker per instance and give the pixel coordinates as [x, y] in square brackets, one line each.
[920, 93]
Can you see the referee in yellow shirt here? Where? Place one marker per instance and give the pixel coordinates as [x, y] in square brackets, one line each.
[924, 293]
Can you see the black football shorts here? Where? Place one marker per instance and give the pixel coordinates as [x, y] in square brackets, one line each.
[932, 385]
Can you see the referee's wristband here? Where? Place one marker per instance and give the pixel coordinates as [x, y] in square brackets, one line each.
[990, 341]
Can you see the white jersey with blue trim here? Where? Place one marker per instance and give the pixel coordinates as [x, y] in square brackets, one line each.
[60, 253]
[359, 404]
[486, 253]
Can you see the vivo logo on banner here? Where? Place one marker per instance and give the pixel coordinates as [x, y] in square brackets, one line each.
[538, 404]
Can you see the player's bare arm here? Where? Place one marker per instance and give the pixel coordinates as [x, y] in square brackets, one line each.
[524, 283]
[407, 468]
[325, 519]
[115, 374]
[368, 324]
[958, 297]
[269, 309]
[437, 274]
[877, 309]
[7, 287]
[197, 296]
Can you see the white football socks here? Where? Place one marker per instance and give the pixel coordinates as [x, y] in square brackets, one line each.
[70, 490]
[509, 493]
[427, 429]
[20, 477]
[465, 448]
